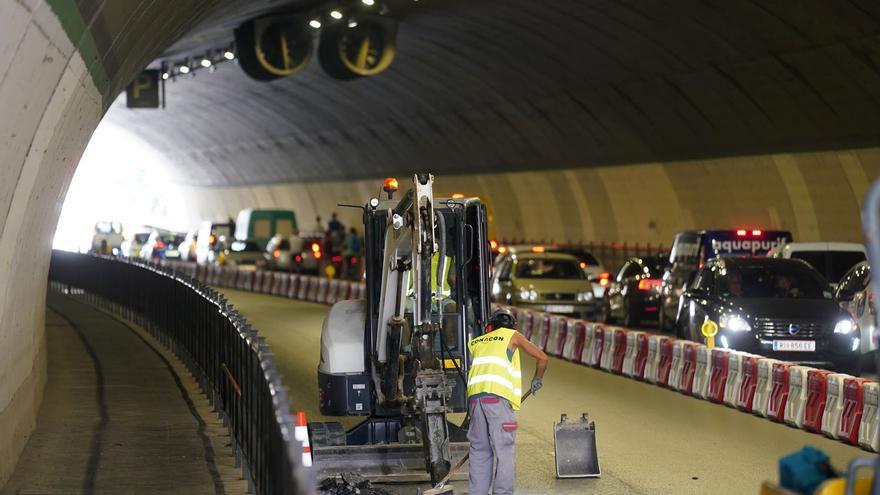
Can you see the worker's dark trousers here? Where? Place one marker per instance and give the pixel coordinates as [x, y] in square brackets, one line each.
[492, 435]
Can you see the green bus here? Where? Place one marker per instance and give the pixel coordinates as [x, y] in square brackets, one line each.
[260, 225]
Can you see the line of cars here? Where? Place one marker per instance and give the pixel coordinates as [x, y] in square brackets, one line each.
[761, 292]
[258, 239]
[764, 293]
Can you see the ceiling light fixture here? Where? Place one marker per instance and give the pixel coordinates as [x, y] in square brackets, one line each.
[315, 23]
[228, 55]
[368, 3]
[336, 14]
[183, 69]
[206, 63]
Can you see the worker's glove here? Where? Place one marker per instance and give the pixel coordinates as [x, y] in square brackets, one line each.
[537, 383]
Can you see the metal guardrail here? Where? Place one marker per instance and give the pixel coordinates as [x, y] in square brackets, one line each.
[232, 363]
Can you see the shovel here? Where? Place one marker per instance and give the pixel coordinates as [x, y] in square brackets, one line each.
[441, 487]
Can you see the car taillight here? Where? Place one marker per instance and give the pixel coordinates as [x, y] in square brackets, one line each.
[649, 284]
[276, 253]
[353, 260]
[603, 278]
[299, 259]
[336, 259]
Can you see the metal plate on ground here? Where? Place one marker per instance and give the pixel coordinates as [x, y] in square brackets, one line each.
[575, 445]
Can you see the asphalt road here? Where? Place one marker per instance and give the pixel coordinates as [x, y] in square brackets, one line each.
[651, 440]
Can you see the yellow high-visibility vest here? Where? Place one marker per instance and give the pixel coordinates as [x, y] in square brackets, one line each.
[492, 372]
[446, 289]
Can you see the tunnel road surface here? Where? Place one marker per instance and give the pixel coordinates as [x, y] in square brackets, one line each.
[120, 414]
[651, 440]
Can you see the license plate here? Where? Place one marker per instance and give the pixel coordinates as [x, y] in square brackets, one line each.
[559, 308]
[794, 345]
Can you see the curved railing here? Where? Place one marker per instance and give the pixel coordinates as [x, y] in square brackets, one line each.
[232, 363]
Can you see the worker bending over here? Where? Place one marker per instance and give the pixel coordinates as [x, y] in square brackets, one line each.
[494, 392]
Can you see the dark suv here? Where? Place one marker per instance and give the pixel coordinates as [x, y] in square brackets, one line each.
[778, 308]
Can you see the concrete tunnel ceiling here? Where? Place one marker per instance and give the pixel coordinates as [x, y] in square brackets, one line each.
[489, 86]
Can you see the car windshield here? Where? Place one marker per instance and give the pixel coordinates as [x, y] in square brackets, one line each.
[832, 264]
[549, 268]
[769, 281]
[108, 227]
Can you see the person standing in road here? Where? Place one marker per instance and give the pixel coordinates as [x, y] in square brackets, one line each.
[494, 391]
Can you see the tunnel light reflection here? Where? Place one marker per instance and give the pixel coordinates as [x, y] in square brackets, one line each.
[120, 178]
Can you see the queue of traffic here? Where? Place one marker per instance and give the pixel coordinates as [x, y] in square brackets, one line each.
[762, 293]
[258, 239]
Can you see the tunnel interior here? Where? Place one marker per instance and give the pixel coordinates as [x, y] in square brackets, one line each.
[577, 121]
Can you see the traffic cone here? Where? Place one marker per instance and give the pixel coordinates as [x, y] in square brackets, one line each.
[301, 433]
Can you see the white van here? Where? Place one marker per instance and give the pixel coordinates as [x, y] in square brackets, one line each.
[832, 259]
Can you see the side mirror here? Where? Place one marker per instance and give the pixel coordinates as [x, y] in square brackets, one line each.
[845, 295]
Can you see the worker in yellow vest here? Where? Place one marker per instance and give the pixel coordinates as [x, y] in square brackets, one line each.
[494, 392]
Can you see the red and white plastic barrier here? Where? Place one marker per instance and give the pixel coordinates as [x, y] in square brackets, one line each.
[558, 333]
[853, 406]
[641, 359]
[779, 390]
[652, 361]
[734, 377]
[748, 382]
[607, 349]
[664, 361]
[575, 336]
[817, 392]
[702, 372]
[588, 351]
[717, 375]
[869, 431]
[833, 404]
[763, 386]
[798, 393]
[619, 351]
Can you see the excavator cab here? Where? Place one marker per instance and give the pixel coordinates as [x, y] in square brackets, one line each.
[400, 356]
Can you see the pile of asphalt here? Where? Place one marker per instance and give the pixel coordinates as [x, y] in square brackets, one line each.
[349, 484]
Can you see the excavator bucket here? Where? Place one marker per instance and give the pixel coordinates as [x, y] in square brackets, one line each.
[575, 445]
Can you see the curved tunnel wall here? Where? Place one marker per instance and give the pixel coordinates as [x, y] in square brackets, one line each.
[816, 195]
[61, 63]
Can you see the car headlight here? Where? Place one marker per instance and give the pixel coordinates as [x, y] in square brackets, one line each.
[844, 326]
[585, 296]
[528, 294]
[735, 323]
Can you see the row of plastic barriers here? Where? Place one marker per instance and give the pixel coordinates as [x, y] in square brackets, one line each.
[836, 405]
[301, 287]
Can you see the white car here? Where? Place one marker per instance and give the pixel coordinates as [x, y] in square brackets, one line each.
[596, 273]
[832, 259]
[855, 296]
